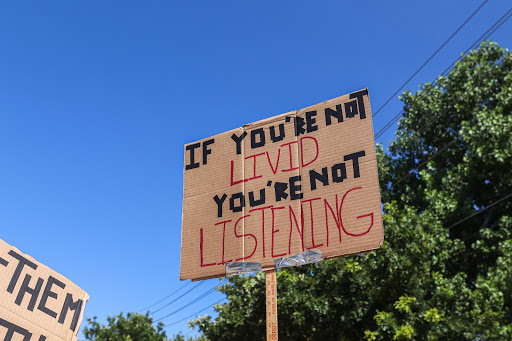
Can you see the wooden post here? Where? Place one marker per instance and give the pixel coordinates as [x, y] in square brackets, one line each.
[271, 294]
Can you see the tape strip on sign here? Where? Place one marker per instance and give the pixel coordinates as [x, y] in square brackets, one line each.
[240, 268]
[305, 257]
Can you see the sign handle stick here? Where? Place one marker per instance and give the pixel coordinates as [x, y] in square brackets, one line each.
[271, 296]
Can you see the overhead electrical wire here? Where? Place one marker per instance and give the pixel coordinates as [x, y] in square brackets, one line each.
[168, 304]
[481, 210]
[389, 124]
[166, 297]
[488, 72]
[430, 58]
[209, 292]
[484, 36]
[194, 314]
[433, 118]
[497, 24]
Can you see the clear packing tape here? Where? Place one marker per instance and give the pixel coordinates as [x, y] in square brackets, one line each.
[305, 257]
[240, 268]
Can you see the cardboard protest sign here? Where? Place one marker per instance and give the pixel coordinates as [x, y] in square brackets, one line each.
[36, 303]
[298, 181]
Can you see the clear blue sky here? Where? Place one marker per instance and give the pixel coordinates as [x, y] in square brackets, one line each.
[97, 99]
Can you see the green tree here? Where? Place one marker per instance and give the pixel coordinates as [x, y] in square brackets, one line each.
[136, 327]
[437, 276]
[132, 327]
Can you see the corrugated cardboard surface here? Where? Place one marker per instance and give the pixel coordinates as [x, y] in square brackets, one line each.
[301, 180]
[36, 300]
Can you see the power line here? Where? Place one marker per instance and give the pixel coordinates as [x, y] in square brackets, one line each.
[430, 58]
[484, 36]
[488, 72]
[166, 297]
[168, 304]
[497, 24]
[389, 124]
[209, 292]
[194, 314]
[379, 133]
[482, 210]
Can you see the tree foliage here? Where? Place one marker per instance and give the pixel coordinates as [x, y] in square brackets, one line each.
[132, 327]
[437, 276]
